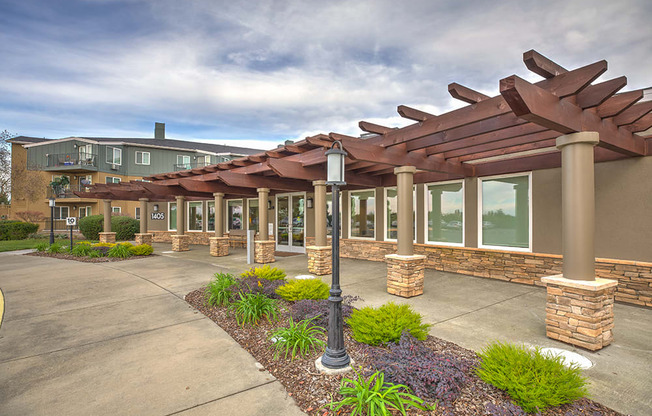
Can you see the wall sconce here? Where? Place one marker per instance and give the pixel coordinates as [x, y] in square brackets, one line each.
[74, 208]
[155, 207]
[309, 203]
[74, 146]
[269, 204]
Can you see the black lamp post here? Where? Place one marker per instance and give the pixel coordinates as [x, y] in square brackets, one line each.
[52, 205]
[335, 356]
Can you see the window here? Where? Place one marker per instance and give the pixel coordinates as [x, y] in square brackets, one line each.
[137, 213]
[142, 158]
[206, 160]
[391, 214]
[85, 154]
[234, 215]
[252, 223]
[84, 212]
[183, 162]
[210, 225]
[61, 213]
[172, 215]
[116, 210]
[505, 212]
[113, 155]
[113, 179]
[195, 215]
[445, 213]
[362, 214]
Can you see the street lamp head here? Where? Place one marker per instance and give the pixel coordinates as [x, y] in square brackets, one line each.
[335, 163]
[52, 202]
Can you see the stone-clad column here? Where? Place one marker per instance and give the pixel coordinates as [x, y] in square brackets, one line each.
[579, 308]
[219, 245]
[107, 236]
[180, 241]
[263, 247]
[319, 256]
[144, 237]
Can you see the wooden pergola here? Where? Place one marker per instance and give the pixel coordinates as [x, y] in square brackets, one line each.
[512, 132]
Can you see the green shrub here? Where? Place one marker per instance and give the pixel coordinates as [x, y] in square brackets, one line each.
[91, 226]
[94, 254]
[220, 290]
[57, 248]
[265, 272]
[534, 380]
[41, 247]
[125, 228]
[119, 251]
[141, 250]
[250, 308]
[16, 230]
[375, 326]
[376, 397]
[303, 289]
[297, 339]
[82, 250]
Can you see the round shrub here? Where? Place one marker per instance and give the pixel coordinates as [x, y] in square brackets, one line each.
[265, 272]
[16, 230]
[141, 250]
[124, 228]
[91, 226]
[376, 326]
[303, 289]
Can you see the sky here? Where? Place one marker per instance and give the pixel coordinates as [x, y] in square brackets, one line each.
[255, 73]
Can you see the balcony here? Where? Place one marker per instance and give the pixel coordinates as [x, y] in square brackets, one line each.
[72, 162]
[186, 166]
[67, 191]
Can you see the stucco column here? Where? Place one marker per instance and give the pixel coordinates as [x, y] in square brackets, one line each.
[578, 204]
[219, 214]
[181, 215]
[320, 213]
[107, 215]
[404, 185]
[263, 229]
[143, 215]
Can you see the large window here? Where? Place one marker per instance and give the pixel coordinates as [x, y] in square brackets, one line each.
[391, 214]
[116, 210]
[210, 224]
[234, 214]
[172, 215]
[61, 213]
[445, 213]
[114, 155]
[505, 204]
[253, 218]
[195, 215]
[112, 179]
[362, 214]
[183, 161]
[142, 158]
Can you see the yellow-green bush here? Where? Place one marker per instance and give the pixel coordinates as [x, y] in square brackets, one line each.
[375, 326]
[303, 289]
[141, 250]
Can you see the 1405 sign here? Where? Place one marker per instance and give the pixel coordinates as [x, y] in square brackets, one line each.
[158, 215]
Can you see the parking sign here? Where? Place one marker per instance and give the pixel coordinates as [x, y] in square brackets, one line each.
[71, 221]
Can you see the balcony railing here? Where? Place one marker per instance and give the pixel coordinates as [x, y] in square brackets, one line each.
[186, 166]
[73, 160]
[66, 191]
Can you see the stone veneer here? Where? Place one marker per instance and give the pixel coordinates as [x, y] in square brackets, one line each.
[264, 251]
[405, 275]
[180, 242]
[107, 237]
[219, 246]
[320, 261]
[580, 312]
[144, 238]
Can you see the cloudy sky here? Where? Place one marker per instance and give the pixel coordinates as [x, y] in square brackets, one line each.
[259, 72]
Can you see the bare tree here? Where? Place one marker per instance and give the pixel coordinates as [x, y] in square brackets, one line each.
[5, 166]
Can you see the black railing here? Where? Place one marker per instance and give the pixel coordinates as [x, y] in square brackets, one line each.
[186, 166]
[79, 159]
[59, 225]
[67, 191]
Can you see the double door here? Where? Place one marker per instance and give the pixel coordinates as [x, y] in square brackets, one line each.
[290, 222]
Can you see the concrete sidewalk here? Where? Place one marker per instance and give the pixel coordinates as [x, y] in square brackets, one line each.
[117, 339]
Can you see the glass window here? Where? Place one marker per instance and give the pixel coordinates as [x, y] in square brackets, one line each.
[116, 210]
[253, 215]
[210, 225]
[183, 162]
[506, 212]
[172, 216]
[391, 214]
[137, 213]
[363, 213]
[113, 155]
[142, 158]
[195, 216]
[61, 213]
[234, 214]
[445, 213]
[112, 179]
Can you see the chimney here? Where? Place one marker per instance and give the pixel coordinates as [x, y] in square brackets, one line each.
[159, 130]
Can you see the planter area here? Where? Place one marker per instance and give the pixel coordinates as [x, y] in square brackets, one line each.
[88, 252]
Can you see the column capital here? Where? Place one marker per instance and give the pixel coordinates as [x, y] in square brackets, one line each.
[591, 137]
[144, 199]
[320, 182]
[179, 197]
[106, 201]
[405, 169]
[262, 190]
[218, 194]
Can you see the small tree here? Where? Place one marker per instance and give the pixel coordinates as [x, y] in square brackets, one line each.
[59, 184]
[30, 216]
[5, 166]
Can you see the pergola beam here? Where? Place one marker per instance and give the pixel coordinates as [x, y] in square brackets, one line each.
[211, 187]
[374, 128]
[541, 65]
[413, 114]
[594, 95]
[618, 103]
[491, 149]
[633, 113]
[641, 124]
[466, 94]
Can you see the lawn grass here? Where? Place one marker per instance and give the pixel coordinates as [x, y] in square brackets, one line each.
[12, 245]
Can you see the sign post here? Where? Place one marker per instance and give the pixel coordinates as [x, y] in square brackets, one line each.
[71, 222]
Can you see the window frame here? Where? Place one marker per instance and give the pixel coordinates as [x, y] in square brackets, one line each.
[176, 218]
[414, 212]
[142, 158]
[137, 213]
[59, 208]
[242, 215]
[112, 152]
[113, 210]
[530, 219]
[201, 204]
[425, 214]
[349, 215]
[248, 217]
[183, 158]
[208, 215]
[112, 179]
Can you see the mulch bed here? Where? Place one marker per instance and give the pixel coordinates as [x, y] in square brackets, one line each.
[65, 256]
[311, 390]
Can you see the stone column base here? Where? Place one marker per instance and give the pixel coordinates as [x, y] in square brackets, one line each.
[320, 261]
[107, 237]
[580, 312]
[180, 242]
[405, 274]
[264, 251]
[219, 246]
[144, 238]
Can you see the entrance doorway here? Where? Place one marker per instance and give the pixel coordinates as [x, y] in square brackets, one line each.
[290, 222]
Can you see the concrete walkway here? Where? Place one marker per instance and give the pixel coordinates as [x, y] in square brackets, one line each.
[118, 339]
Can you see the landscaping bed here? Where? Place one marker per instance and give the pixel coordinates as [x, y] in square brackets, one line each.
[312, 391]
[68, 256]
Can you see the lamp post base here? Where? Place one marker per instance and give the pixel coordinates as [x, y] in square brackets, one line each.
[322, 369]
[335, 359]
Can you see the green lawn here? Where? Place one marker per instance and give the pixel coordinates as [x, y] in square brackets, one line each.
[12, 245]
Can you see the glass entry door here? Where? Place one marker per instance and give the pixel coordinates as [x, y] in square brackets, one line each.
[290, 224]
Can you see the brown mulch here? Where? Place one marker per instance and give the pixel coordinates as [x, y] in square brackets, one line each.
[311, 391]
[65, 256]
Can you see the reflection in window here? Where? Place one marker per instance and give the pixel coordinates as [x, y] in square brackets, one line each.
[234, 214]
[329, 215]
[391, 214]
[210, 224]
[445, 208]
[363, 213]
[506, 212]
[195, 216]
[173, 216]
[253, 215]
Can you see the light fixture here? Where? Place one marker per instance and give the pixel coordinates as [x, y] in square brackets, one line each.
[269, 204]
[74, 146]
[74, 208]
[52, 205]
[335, 164]
[309, 202]
[155, 207]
